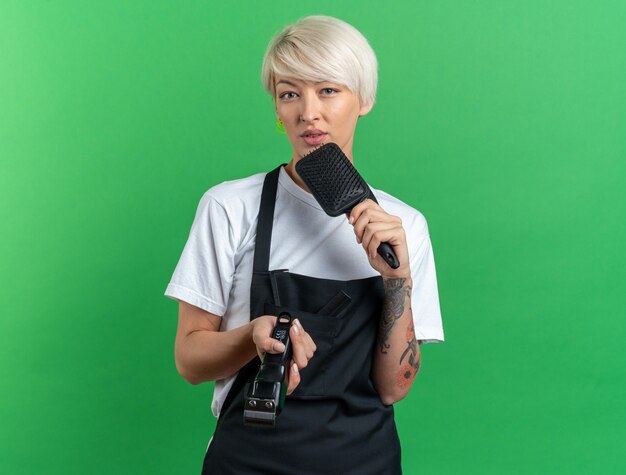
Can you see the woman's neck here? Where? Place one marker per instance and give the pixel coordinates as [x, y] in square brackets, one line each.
[290, 168]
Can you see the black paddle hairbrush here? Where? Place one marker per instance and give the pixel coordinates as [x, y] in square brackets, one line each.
[338, 187]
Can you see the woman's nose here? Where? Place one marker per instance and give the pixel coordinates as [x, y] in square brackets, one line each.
[310, 109]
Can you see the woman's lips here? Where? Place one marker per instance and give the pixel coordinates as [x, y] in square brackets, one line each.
[314, 138]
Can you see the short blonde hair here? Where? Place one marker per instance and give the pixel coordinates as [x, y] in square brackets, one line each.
[323, 48]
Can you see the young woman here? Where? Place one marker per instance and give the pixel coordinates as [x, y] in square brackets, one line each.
[262, 244]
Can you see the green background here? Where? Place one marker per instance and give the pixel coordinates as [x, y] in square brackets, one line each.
[504, 122]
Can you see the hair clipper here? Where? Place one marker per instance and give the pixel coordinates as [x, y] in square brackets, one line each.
[265, 396]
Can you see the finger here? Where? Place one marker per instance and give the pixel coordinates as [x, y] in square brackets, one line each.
[308, 343]
[360, 224]
[299, 345]
[261, 334]
[379, 216]
[310, 346]
[294, 378]
[366, 218]
[369, 205]
[375, 233]
[395, 237]
[373, 228]
[370, 216]
[362, 206]
[271, 345]
[388, 236]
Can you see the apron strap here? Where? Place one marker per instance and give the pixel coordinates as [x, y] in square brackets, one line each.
[261, 264]
[265, 222]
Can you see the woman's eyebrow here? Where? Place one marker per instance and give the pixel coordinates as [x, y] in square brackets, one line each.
[284, 81]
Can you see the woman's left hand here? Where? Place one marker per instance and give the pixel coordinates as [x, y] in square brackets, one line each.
[373, 226]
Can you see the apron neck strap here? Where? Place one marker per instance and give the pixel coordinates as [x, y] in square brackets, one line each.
[266, 221]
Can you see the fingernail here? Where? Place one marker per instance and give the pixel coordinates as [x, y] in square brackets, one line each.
[296, 326]
[351, 220]
[295, 368]
[278, 346]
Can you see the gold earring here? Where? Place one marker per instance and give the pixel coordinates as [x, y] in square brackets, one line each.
[280, 127]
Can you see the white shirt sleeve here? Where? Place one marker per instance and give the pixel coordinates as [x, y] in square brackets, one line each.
[425, 297]
[204, 274]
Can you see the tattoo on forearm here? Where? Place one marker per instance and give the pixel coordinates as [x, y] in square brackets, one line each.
[411, 358]
[395, 301]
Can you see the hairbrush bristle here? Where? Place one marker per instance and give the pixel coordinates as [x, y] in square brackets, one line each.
[315, 149]
[332, 179]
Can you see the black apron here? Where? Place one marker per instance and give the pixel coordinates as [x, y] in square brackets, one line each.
[334, 422]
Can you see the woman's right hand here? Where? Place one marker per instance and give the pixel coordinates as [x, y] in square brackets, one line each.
[303, 346]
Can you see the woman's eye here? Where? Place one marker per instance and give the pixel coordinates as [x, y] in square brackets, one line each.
[287, 95]
[328, 91]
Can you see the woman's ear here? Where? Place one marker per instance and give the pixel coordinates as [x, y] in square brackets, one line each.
[365, 109]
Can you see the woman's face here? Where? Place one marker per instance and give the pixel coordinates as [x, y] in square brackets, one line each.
[315, 113]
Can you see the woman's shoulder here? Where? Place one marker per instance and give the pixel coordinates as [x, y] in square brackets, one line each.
[237, 201]
[248, 188]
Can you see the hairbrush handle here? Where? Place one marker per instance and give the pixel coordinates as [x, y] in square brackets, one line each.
[386, 252]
